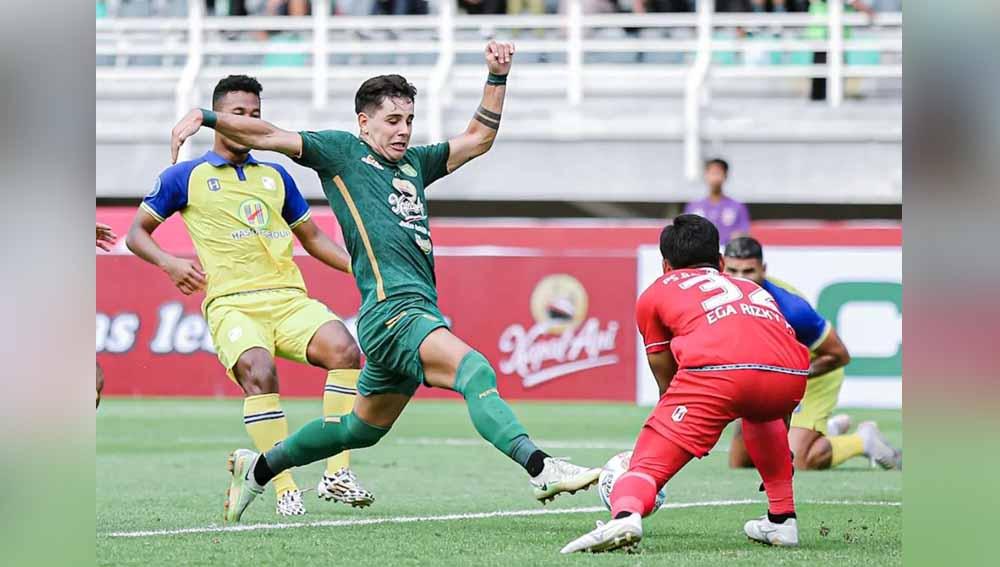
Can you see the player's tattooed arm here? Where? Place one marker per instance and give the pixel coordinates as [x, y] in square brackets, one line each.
[664, 367]
[319, 246]
[244, 130]
[478, 137]
[831, 354]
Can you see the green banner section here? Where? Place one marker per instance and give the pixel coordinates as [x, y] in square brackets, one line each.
[836, 296]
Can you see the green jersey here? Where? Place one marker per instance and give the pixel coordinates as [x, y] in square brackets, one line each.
[381, 209]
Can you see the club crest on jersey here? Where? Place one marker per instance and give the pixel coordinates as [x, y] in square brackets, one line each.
[254, 213]
[372, 162]
[563, 340]
[268, 183]
[214, 184]
[408, 170]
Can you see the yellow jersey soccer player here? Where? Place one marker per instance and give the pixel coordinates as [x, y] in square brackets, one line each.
[241, 214]
[818, 441]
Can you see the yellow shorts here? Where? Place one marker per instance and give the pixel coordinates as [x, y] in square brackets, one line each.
[817, 404]
[281, 320]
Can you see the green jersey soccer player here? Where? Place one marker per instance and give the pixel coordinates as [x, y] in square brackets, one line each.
[375, 183]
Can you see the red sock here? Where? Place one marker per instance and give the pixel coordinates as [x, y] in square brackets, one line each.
[655, 460]
[767, 444]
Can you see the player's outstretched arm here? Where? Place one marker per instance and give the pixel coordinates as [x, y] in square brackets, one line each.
[478, 137]
[186, 274]
[250, 132]
[831, 354]
[319, 246]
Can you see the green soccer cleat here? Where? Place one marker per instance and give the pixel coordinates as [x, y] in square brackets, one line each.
[558, 476]
[242, 488]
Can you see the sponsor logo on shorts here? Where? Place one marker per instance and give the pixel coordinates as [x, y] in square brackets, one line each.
[679, 413]
[563, 339]
[488, 392]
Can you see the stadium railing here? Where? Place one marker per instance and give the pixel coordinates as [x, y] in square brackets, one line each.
[569, 55]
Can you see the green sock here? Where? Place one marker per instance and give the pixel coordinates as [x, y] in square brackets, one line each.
[492, 417]
[320, 439]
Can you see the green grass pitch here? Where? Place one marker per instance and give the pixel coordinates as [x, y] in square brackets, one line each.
[161, 468]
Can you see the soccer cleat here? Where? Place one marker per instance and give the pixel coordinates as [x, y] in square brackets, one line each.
[290, 504]
[624, 533]
[343, 487]
[242, 488]
[838, 424]
[767, 532]
[559, 475]
[877, 449]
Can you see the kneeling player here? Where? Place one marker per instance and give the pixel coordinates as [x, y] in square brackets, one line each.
[818, 440]
[719, 349]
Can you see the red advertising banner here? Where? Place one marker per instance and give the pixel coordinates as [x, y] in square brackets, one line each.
[554, 327]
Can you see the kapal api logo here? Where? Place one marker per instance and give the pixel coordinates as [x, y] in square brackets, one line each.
[563, 340]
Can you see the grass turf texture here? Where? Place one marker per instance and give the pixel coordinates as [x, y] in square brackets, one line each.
[161, 466]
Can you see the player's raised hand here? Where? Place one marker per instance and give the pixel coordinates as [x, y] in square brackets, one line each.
[184, 129]
[187, 275]
[106, 237]
[498, 56]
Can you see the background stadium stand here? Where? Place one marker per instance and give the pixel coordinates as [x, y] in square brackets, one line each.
[615, 147]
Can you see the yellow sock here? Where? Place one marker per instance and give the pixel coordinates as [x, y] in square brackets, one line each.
[845, 447]
[338, 400]
[267, 425]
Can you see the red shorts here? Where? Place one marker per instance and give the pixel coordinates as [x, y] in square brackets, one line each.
[699, 405]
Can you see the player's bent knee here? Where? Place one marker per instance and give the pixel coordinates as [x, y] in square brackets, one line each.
[336, 350]
[363, 434]
[475, 376]
[256, 373]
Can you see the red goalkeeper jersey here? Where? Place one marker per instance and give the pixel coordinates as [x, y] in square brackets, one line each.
[714, 322]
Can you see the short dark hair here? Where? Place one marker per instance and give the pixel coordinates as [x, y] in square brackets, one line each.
[372, 92]
[235, 84]
[719, 162]
[744, 247]
[691, 240]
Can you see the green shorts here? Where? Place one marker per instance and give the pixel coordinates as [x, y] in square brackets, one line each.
[390, 335]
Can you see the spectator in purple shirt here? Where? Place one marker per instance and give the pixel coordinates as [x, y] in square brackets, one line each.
[728, 215]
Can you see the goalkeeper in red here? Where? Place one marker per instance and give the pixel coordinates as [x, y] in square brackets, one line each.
[375, 184]
[720, 350]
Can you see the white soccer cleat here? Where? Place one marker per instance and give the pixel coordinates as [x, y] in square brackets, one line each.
[290, 504]
[767, 532]
[838, 424]
[242, 488]
[625, 533]
[343, 487]
[559, 475]
[877, 449]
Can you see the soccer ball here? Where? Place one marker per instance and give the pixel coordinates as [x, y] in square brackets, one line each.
[613, 469]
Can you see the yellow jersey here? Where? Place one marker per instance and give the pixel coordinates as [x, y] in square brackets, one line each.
[240, 218]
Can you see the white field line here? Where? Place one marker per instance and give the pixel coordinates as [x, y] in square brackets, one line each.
[547, 443]
[452, 517]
